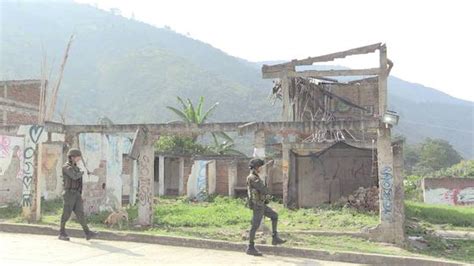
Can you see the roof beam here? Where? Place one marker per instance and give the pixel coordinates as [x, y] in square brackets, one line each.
[331, 57]
[333, 72]
[275, 71]
[241, 127]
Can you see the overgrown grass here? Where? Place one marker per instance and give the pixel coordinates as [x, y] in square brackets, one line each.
[221, 212]
[10, 212]
[460, 216]
[228, 219]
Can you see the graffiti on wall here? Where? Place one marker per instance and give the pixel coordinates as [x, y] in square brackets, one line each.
[11, 156]
[145, 195]
[104, 183]
[387, 193]
[197, 180]
[51, 162]
[33, 136]
[145, 187]
[114, 155]
[456, 196]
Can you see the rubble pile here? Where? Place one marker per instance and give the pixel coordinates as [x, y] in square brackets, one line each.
[364, 199]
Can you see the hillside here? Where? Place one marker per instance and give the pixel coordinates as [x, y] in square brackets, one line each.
[129, 71]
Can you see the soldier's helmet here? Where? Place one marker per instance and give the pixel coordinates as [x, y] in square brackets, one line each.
[74, 153]
[254, 163]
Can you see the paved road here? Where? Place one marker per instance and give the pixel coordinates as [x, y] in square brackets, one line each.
[23, 249]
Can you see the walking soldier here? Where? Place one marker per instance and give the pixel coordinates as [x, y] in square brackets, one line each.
[72, 183]
[258, 197]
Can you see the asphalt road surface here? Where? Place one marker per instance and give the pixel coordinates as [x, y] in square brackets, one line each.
[24, 249]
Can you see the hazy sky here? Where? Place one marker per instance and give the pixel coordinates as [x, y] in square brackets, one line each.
[430, 42]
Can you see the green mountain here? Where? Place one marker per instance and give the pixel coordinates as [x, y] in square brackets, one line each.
[129, 71]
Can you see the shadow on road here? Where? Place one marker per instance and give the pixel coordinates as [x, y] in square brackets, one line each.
[108, 248]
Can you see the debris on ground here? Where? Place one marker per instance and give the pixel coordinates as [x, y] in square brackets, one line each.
[418, 242]
[364, 199]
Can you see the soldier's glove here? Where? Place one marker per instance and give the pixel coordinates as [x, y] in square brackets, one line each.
[268, 198]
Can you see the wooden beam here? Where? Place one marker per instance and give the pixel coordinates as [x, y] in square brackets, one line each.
[274, 70]
[333, 72]
[277, 71]
[330, 57]
[327, 79]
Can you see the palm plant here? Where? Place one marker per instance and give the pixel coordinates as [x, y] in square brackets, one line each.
[192, 115]
[226, 147]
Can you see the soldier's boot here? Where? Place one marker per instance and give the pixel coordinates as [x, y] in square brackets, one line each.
[276, 240]
[89, 234]
[251, 250]
[62, 232]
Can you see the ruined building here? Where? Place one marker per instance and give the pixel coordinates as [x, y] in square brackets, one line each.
[334, 138]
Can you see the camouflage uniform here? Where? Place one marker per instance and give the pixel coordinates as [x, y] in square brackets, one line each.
[72, 184]
[258, 195]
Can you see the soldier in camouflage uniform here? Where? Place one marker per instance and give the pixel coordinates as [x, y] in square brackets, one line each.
[72, 183]
[258, 197]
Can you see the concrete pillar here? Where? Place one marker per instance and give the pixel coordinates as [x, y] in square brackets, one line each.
[145, 185]
[39, 180]
[390, 228]
[181, 176]
[285, 162]
[399, 192]
[31, 191]
[211, 177]
[134, 183]
[385, 167]
[232, 177]
[259, 151]
[161, 175]
[287, 114]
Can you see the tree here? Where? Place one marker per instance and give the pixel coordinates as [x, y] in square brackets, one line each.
[436, 154]
[411, 157]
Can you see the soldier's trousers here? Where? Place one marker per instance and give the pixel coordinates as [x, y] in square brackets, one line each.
[258, 213]
[73, 203]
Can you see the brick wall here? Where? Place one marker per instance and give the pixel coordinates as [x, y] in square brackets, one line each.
[19, 101]
[242, 172]
[222, 177]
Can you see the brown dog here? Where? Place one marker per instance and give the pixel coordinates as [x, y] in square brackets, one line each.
[117, 218]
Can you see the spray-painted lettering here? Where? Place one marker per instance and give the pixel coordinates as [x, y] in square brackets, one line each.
[386, 193]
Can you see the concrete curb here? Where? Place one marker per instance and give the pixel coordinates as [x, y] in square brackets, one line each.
[352, 257]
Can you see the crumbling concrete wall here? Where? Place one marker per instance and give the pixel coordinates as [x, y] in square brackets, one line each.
[448, 190]
[50, 162]
[363, 92]
[11, 171]
[29, 168]
[103, 158]
[275, 178]
[335, 172]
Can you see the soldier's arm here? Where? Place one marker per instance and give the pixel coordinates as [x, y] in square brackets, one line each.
[257, 184]
[71, 173]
